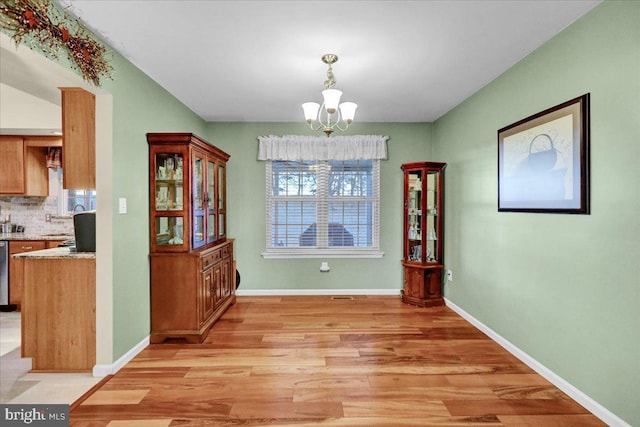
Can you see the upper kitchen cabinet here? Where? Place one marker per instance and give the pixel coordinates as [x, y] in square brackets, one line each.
[24, 164]
[78, 138]
[12, 170]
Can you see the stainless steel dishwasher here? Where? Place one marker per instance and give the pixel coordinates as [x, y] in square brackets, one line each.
[4, 277]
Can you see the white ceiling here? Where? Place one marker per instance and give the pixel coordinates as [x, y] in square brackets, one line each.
[401, 61]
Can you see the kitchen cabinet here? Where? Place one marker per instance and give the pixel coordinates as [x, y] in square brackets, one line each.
[59, 312]
[423, 233]
[24, 164]
[16, 277]
[12, 170]
[191, 257]
[53, 243]
[78, 139]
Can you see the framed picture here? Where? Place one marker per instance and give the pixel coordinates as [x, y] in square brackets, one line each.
[543, 161]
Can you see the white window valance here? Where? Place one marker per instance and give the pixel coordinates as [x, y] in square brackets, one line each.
[302, 147]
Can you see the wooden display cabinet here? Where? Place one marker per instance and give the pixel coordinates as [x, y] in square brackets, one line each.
[423, 241]
[191, 257]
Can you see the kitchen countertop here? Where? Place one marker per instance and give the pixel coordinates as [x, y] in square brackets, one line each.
[35, 236]
[56, 253]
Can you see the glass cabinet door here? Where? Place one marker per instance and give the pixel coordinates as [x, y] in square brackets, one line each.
[221, 202]
[168, 187]
[423, 210]
[414, 217]
[198, 226]
[211, 202]
[169, 230]
[431, 223]
[169, 182]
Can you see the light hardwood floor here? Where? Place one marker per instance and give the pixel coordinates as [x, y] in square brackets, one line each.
[309, 361]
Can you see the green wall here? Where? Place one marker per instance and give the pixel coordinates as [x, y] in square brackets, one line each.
[140, 105]
[246, 200]
[563, 288]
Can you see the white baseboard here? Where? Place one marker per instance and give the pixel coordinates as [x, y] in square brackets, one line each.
[104, 370]
[591, 405]
[309, 292]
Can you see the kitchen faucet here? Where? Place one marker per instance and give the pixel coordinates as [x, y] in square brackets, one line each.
[78, 205]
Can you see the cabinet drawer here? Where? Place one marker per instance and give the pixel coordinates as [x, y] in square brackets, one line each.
[20, 246]
[210, 259]
[225, 251]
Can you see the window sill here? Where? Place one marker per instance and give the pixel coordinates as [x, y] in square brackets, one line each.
[321, 253]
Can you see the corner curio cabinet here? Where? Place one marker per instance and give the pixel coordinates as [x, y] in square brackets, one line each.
[423, 239]
[191, 258]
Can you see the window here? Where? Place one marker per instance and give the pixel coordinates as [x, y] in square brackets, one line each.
[80, 200]
[323, 208]
[70, 201]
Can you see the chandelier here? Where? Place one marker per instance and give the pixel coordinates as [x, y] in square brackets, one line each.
[331, 114]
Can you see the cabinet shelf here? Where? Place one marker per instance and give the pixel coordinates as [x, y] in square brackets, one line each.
[168, 181]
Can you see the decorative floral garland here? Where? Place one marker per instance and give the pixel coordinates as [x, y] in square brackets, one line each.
[51, 29]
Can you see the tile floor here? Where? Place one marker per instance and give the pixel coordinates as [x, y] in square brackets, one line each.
[18, 385]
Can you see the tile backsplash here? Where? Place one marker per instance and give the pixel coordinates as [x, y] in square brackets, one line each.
[31, 212]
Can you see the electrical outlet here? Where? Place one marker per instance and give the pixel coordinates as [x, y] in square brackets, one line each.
[47, 217]
[449, 276]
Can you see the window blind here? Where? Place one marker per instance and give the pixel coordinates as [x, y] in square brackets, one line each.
[323, 195]
[320, 208]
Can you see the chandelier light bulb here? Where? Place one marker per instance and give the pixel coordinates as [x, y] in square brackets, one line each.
[348, 111]
[310, 111]
[331, 100]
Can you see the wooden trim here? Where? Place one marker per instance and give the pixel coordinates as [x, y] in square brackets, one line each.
[89, 392]
[186, 137]
[418, 165]
[43, 141]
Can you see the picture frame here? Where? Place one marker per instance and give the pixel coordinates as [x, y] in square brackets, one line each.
[543, 161]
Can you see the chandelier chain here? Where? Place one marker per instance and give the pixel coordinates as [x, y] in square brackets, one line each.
[331, 79]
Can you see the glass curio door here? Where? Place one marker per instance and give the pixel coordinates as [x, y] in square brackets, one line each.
[199, 200]
[211, 202]
[221, 191]
[413, 218]
[432, 225]
[169, 190]
[423, 222]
